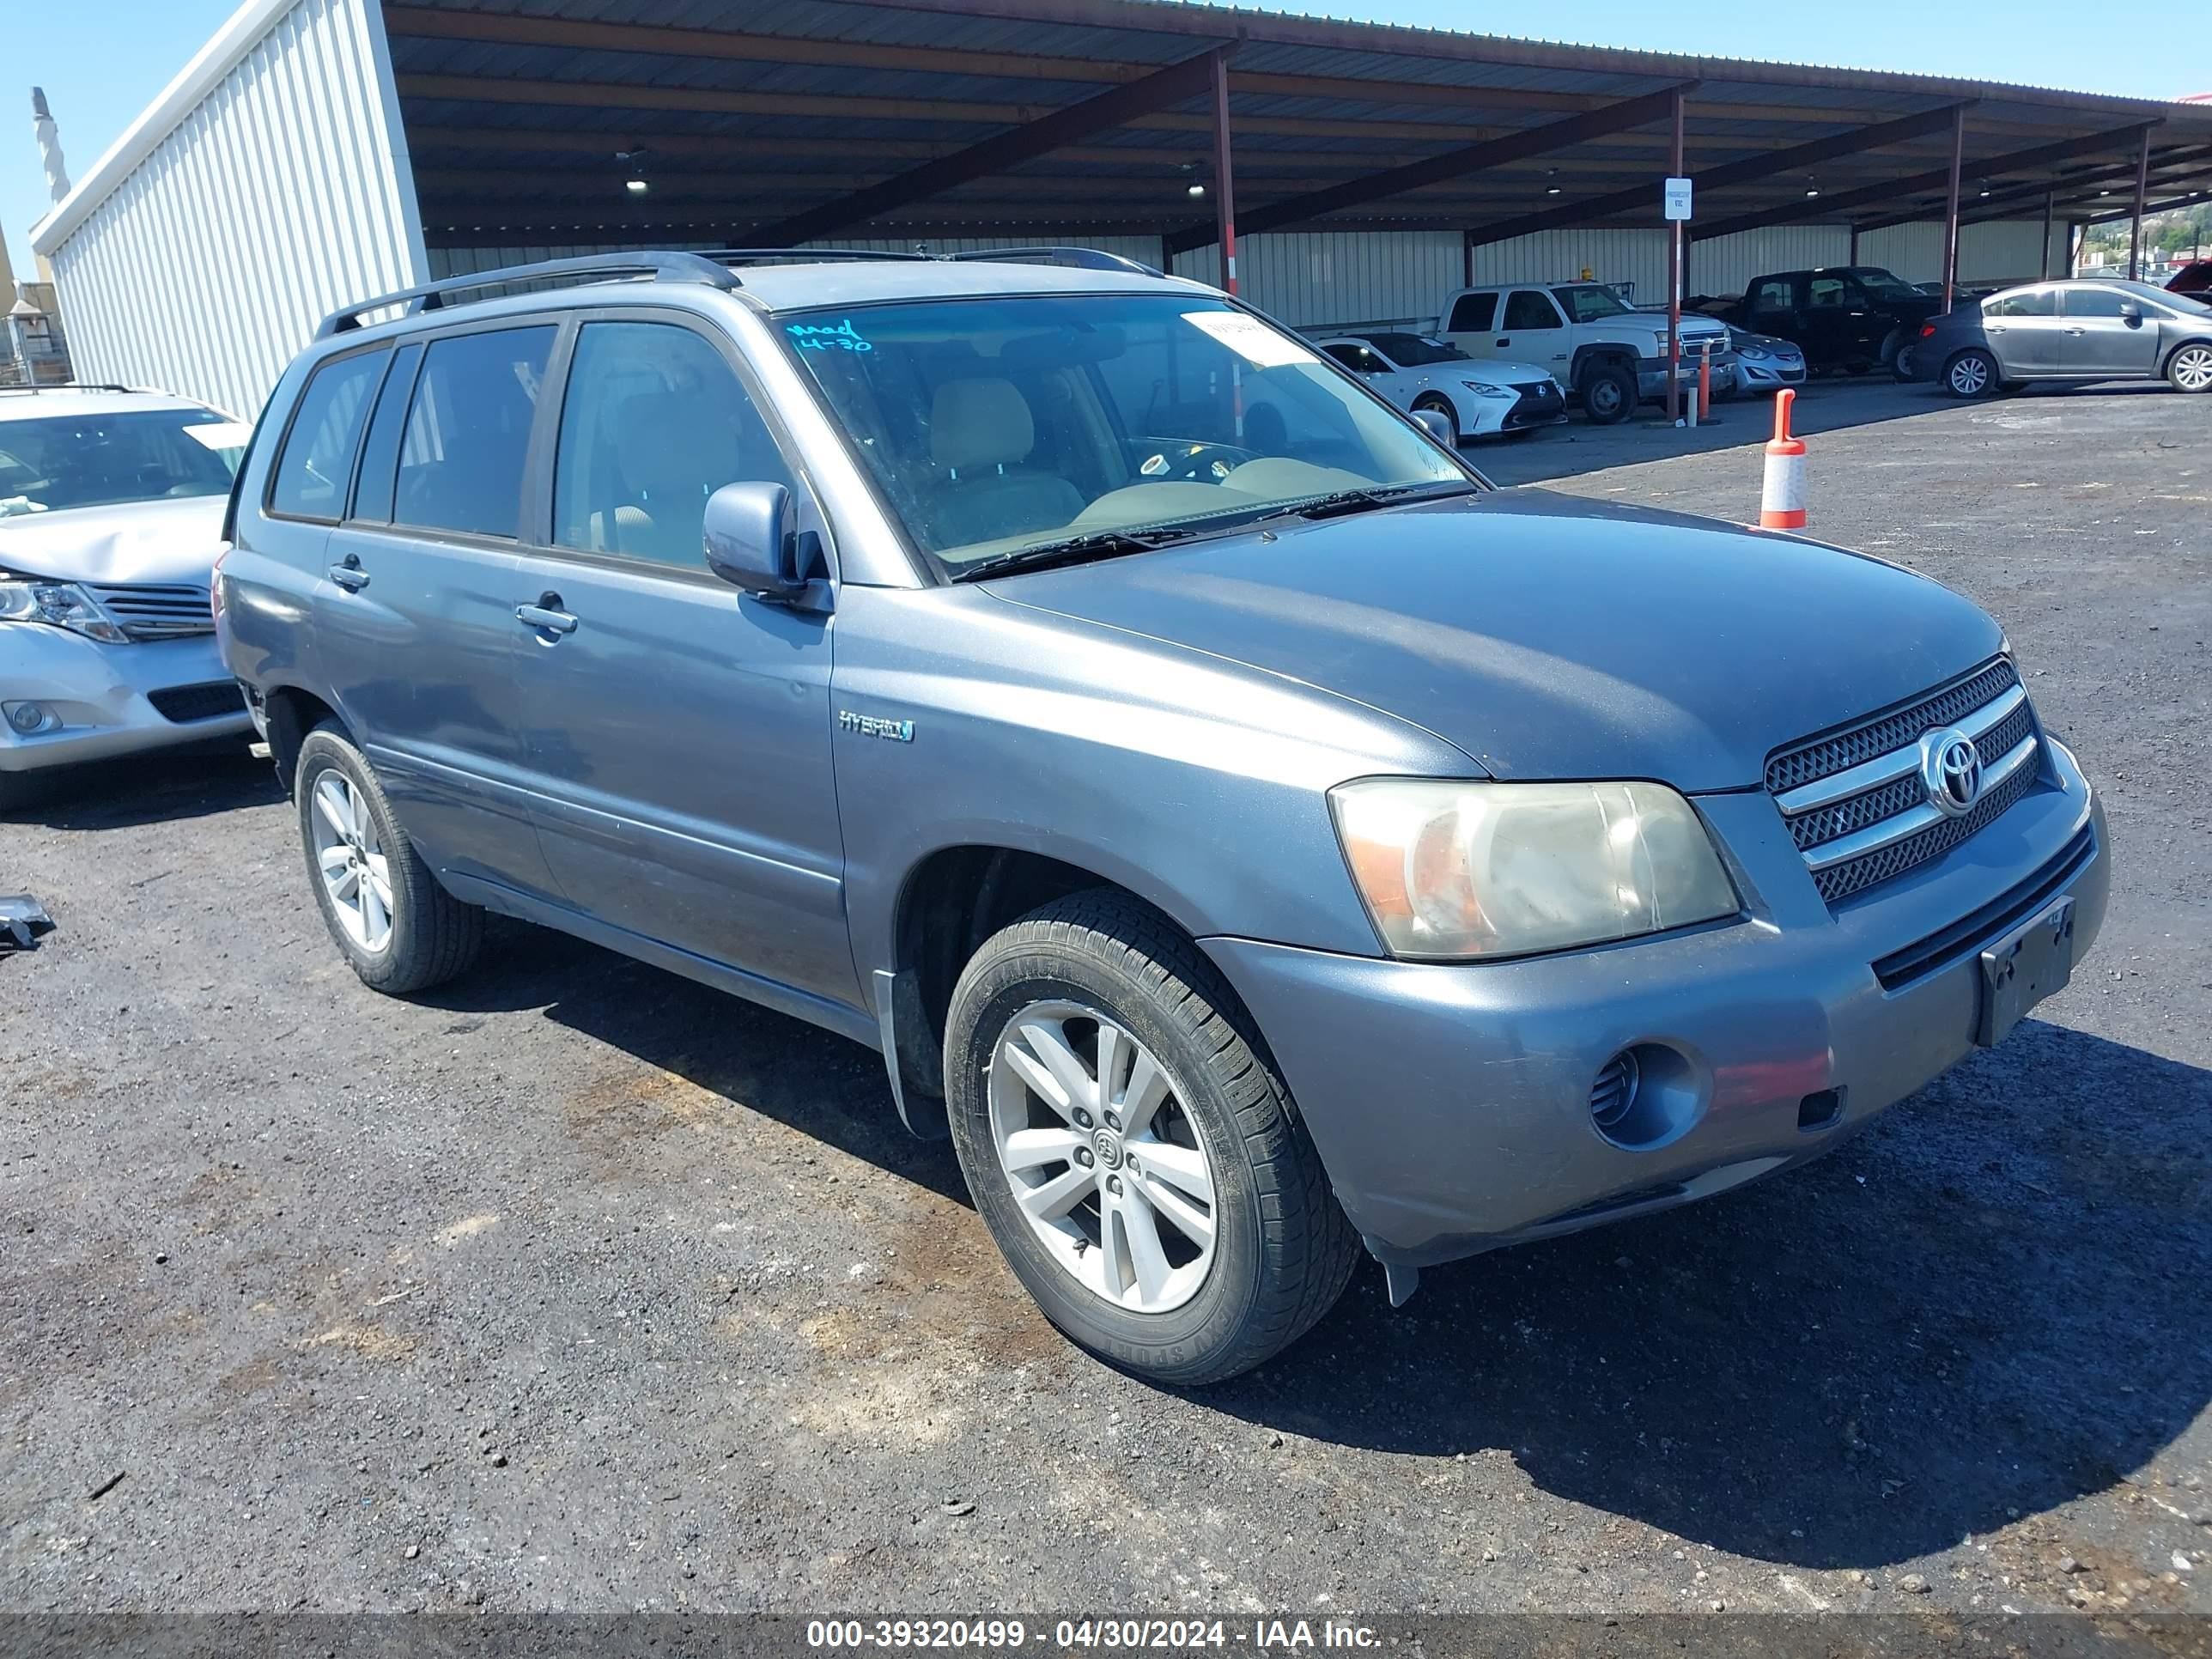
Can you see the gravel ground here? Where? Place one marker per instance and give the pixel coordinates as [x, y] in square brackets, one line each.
[579, 1286]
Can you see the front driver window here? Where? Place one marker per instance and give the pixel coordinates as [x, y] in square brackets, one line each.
[1525, 310]
[653, 423]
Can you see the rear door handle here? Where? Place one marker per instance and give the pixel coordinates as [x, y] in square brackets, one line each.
[546, 615]
[349, 575]
[1506, 341]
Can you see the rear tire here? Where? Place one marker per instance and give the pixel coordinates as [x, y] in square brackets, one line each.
[1608, 394]
[1971, 373]
[2190, 369]
[1094, 975]
[426, 935]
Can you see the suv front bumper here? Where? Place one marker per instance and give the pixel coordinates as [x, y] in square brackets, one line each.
[110, 698]
[1451, 1102]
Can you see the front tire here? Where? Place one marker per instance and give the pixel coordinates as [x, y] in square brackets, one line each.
[1170, 1215]
[398, 930]
[1971, 373]
[1437, 404]
[2190, 369]
[1608, 394]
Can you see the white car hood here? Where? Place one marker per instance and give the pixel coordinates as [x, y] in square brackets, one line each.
[159, 541]
[1500, 372]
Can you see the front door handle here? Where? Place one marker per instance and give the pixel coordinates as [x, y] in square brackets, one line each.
[349, 575]
[546, 616]
[1506, 341]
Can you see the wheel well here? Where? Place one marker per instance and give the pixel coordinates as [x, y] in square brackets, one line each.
[292, 715]
[954, 900]
[2179, 347]
[1601, 356]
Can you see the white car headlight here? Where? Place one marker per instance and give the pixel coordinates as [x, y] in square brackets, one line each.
[1452, 869]
[1483, 389]
[62, 603]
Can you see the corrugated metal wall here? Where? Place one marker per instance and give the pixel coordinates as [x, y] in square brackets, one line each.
[1314, 279]
[1998, 253]
[283, 194]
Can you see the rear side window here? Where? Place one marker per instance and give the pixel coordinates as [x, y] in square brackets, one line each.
[1527, 309]
[1472, 313]
[1772, 295]
[654, 422]
[316, 464]
[2030, 302]
[468, 431]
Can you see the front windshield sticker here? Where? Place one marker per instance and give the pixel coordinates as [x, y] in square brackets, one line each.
[840, 336]
[1250, 338]
[220, 435]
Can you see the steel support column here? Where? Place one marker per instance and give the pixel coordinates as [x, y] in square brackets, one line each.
[1674, 270]
[2042, 261]
[2143, 192]
[1224, 183]
[1951, 206]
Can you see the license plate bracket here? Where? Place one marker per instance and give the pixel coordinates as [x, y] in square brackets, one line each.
[2023, 968]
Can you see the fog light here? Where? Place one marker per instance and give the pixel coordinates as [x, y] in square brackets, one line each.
[32, 718]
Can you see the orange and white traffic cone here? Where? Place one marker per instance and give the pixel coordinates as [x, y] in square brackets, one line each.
[1782, 500]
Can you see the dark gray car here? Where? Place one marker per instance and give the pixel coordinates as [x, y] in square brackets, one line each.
[2067, 330]
[1250, 834]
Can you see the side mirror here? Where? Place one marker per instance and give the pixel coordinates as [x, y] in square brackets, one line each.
[1438, 425]
[2130, 313]
[750, 543]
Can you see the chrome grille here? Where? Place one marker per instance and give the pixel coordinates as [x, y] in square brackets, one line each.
[1854, 800]
[156, 610]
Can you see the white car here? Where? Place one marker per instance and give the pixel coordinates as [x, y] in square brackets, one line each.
[111, 517]
[1420, 372]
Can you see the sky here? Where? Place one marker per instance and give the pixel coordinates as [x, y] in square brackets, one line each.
[103, 61]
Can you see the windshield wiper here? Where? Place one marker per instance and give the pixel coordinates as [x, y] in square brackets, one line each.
[1077, 549]
[1367, 499]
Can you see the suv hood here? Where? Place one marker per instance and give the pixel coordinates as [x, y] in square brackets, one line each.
[1550, 637]
[1696, 326]
[160, 541]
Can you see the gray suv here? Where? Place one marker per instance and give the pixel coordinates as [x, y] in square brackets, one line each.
[1248, 833]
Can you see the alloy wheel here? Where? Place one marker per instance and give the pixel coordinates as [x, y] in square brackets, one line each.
[354, 870]
[1970, 376]
[1109, 1170]
[2192, 369]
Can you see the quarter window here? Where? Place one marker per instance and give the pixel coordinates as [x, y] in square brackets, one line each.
[1527, 310]
[1472, 313]
[468, 431]
[654, 422]
[310, 477]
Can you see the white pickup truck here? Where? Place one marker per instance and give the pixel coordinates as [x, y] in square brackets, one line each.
[1608, 355]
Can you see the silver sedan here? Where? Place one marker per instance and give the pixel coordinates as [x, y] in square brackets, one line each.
[2067, 330]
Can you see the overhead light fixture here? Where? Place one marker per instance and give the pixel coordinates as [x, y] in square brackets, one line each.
[1195, 190]
[636, 184]
[1812, 190]
[2104, 192]
[636, 187]
[1550, 190]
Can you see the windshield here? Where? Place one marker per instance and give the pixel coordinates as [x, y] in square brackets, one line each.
[56, 463]
[1883, 286]
[1416, 350]
[995, 425]
[1585, 302]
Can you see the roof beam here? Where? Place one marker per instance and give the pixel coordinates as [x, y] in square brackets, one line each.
[1747, 171]
[1830, 206]
[2006, 198]
[1439, 169]
[2149, 207]
[1177, 84]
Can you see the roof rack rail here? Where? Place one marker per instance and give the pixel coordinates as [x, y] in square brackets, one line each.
[433, 296]
[1081, 258]
[70, 386]
[805, 255]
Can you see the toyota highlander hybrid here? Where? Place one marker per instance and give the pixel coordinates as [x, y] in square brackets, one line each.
[1251, 836]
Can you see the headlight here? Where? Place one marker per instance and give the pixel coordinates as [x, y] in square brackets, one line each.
[1456, 869]
[62, 603]
[1757, 351]
[1483, 388]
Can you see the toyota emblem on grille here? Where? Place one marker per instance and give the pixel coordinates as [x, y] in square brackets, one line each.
[1950, 771]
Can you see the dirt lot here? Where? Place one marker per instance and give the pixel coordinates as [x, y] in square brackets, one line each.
[578, 1286]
